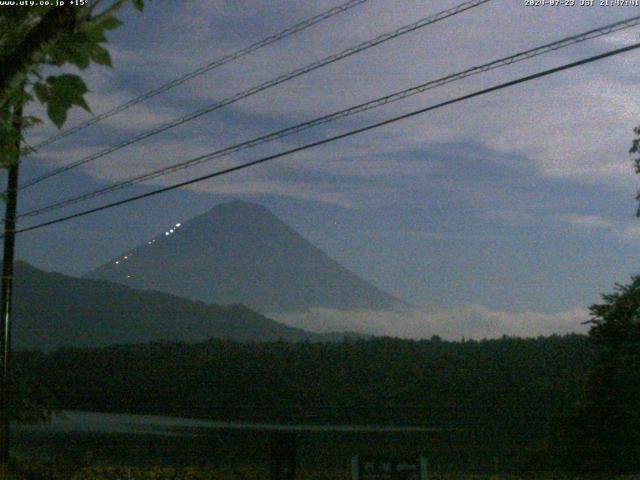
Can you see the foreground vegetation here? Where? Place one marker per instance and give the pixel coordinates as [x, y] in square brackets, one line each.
[250, 472]
[556, 404]
[494, 401]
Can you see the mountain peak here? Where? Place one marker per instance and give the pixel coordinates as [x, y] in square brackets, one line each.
[238, 206]
[240, 252]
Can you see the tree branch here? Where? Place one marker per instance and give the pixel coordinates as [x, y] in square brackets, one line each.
[56, 22]
[112, 9]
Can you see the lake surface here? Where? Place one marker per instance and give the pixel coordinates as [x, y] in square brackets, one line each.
[95, 422]
[93, 438]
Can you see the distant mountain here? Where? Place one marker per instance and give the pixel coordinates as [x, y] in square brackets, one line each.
[240, 252]
[54, 310]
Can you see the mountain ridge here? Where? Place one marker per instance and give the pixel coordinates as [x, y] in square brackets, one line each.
[53, 310]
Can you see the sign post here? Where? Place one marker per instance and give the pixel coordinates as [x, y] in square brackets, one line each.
[283, 456]
[379, 468]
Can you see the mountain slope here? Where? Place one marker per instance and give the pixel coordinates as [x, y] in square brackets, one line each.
[54, 310]
[240, 252]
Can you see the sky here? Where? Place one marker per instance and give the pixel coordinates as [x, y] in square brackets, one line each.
[509, 213]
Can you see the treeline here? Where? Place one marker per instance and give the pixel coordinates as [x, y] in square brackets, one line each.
[500, 397]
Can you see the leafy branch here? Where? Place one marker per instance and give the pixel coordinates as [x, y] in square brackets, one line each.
[36, 39]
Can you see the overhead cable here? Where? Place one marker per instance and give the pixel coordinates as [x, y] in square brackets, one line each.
[334, 138]
[298, 27]
[385, 100]
[264, 86]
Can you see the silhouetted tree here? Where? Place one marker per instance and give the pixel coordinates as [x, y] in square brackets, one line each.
[602, 434]
[614, 405]
[34, 40]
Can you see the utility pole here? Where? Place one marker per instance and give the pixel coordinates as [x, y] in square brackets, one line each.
[6, 297]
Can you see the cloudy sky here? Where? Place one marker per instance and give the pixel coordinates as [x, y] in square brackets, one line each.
[516, 207]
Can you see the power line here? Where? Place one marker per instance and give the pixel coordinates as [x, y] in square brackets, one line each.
[336, 137]
[403, 94]
[266, 85]
[298, 27]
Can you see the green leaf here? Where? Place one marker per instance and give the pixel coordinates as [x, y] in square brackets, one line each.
[64, 92]
[138, 4]
[71, 48]
[79, 56]
[100, 55]
[16, 96]
[94, 33]
[109, 23]
[57, 57]
[57, 113]
[42, 92]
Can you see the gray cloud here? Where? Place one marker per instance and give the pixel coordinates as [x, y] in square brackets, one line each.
[543, 120]
[471, 321]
